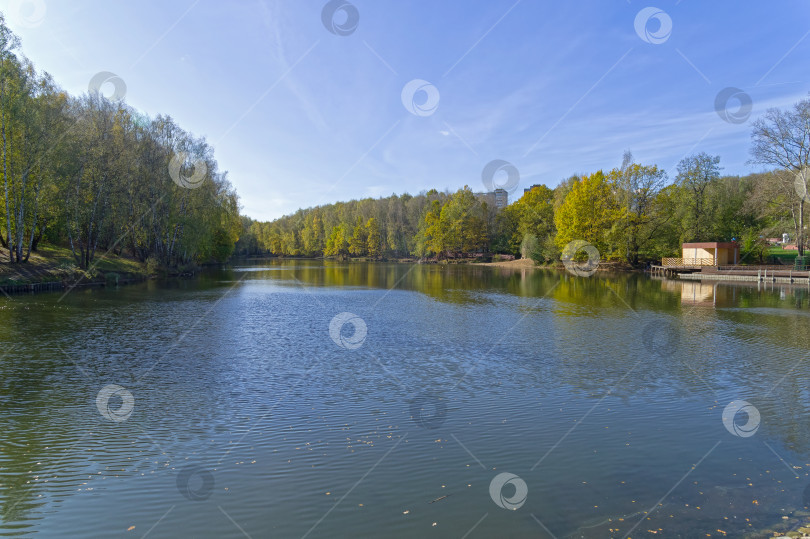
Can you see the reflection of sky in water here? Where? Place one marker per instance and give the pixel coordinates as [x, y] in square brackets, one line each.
[544, 375]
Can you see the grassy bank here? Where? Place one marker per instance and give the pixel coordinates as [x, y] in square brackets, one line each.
[787, 257]
[56, 264]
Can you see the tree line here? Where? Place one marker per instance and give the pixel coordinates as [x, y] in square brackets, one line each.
[93, 174]
[634, 213]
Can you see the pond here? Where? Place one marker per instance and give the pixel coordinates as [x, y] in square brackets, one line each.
[323, 399]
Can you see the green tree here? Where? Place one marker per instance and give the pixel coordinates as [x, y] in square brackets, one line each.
[637, 189]
[695, 174]
[312, 241]
[374, 245]
[589, 212]
[359, 239]
[337, 244]
[781, 139]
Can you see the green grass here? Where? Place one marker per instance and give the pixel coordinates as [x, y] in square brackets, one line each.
[787, 257]
[778, 251]
[53, 263]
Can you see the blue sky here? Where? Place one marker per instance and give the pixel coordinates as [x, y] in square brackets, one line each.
[300, 116]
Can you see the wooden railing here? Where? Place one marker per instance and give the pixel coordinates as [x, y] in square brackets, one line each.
[740, 267]
[687, 262]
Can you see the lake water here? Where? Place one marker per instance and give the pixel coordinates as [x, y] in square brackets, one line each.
[224, 407]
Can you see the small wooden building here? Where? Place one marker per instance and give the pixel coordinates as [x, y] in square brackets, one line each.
[711, 253]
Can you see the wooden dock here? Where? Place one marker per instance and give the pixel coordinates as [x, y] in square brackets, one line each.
[764, 274]
[673, 271]
[770, 274]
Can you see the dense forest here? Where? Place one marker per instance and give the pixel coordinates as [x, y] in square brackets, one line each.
[91, 173]
[633, 214]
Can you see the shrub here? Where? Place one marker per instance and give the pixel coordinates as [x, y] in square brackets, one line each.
[154, 267]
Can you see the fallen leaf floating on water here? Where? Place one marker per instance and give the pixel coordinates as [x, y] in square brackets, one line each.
[130, 528]
[440, 498]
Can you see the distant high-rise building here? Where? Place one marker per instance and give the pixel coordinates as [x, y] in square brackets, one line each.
[530, 188]
[489, 198]
[498, 198]
[501, 198]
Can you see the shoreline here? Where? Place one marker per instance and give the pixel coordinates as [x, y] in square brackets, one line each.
[53, 269]
[60, 286]
[520, 263]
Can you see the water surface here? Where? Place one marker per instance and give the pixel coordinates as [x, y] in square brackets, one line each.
[603, 395]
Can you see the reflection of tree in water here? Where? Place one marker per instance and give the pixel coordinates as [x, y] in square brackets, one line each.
[578, 337]
[41, 440]
[700, 509]
[596, 336]
[25, 438]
